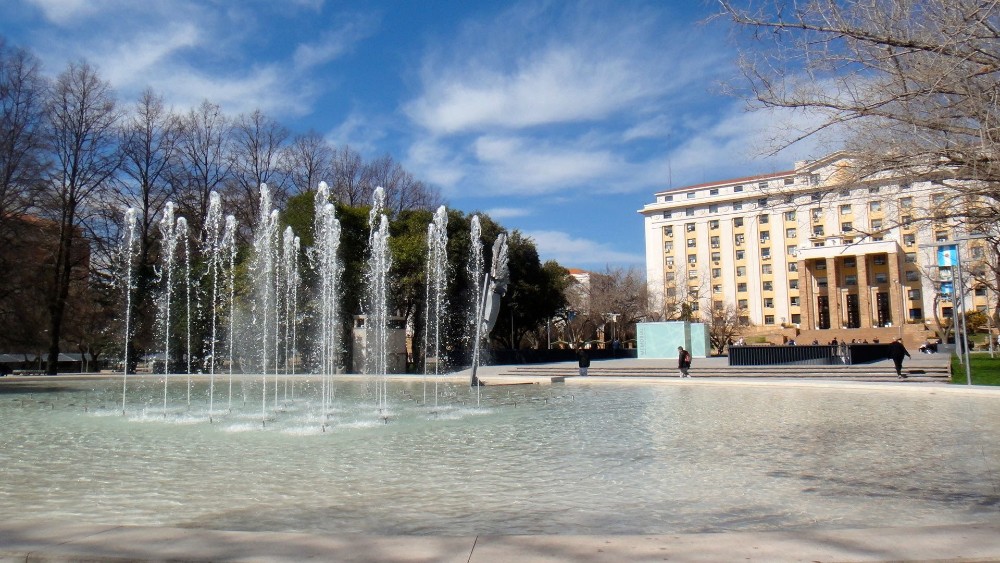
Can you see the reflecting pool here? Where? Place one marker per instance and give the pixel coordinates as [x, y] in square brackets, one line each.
[529, 459]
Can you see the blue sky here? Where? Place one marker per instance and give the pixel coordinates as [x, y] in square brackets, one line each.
[560, 119]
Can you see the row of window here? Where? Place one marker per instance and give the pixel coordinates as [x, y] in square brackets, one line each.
[811, 179]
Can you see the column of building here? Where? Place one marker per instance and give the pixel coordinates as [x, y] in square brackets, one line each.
[895, 289]
[806, 298]
[864, 292]
[833, 293]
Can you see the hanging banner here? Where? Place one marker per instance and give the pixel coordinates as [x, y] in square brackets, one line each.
[947, 255]
[946, 288]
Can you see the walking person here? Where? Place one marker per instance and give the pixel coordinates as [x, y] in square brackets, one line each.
[896, 352]
[583, 359]
[683, 361]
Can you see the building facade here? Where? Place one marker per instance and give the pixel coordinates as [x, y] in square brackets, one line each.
[805, 248]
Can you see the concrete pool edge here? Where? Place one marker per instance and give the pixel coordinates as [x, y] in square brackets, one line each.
[51, 541]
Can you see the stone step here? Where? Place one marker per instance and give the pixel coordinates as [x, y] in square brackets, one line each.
[854, 372]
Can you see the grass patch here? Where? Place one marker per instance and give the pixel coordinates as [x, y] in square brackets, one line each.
[985, 370]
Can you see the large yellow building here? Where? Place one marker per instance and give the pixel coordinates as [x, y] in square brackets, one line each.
[804, 248]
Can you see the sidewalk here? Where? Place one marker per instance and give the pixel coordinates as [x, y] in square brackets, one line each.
[81, 542]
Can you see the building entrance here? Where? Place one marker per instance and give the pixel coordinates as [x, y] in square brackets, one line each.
[853, 312]
[882, 307]
[823, 311]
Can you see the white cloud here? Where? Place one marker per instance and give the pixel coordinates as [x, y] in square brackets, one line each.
[508, 212]
[333, 43]
[575, 252]
[521, 165]
[63, 12]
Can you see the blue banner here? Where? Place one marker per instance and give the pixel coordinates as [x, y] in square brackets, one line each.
[946, 288]
[947, 255]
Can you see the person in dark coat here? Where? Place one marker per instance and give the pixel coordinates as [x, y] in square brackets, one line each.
[583, 358]
[896, 353]
[683, 361]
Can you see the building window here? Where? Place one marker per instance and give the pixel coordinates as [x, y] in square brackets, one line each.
[937, 200]
[873, 189]
[741, 254]
[668, 246]
[742, 303]
[845, 209]
[767, 286]
[765, 252]
[692, 258]
[713, 224]
[716, 288]
[764, 219]
[667, 198]
[714, 241]
[814, 196]
[741, 271]
[793, 284]
[980, 290]
[740, 239]
[692, 274]
[762, 202]
[821, 282]
[762, 185]
[689, 227]
[789, 215]
[737, 205]
[911, 257]
[718, 305]
[738, 222]
[668, 231]
[716, 256]
[907, 220]
[977, 252]
[793, 301]
[714, 208]
[820, 264]
[916, 314]
[737, 189]
[670, 261]
[690, 195]
[669, 276]
[875, 206]
[692, 243]
[909, 240]
[818, 231]
[769, 304]
[876, 225]
[713, 191]
[912, 275]
[790, 233]
[793, 266]
[817, 214]
[879, 260]
[689, 212]
[741, 287]
[694, 304]
[846, 227]
[881, 278]
[906, 203]
[941, 236]
[716, 272]
[913, 294]
[789, 181]
[850, 279]
[791, 250]
[765, 269]
[796, 318]
[765, 236]
[850, 262]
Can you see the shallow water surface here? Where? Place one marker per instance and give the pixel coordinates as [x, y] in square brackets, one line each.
[529, 459]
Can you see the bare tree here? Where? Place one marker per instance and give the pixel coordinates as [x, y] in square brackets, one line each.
[618, 301]
[724, 324]
[82, 137]
[150, 146]
[22, 91]
[205, 146]
[258, 142]
[308, 161]
[349, 186]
